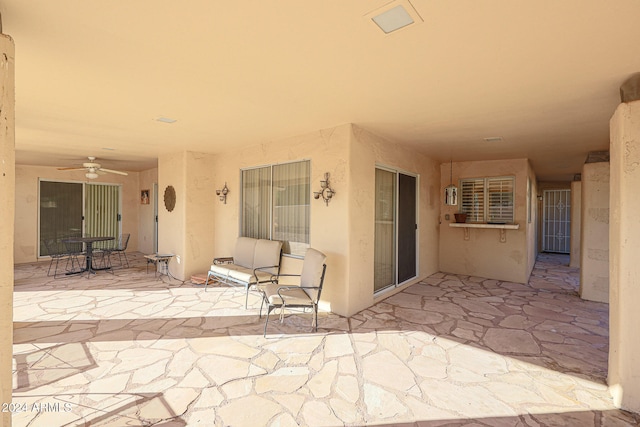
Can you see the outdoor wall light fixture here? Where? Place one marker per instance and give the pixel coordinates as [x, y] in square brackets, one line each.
[222, 194]
[326, 192]
[451, 191]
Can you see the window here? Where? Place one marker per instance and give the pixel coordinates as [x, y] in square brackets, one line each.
[276, 204]
[488, 200]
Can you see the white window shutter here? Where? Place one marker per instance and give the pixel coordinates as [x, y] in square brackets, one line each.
[500, 200]
[472, 200]
[488, 200]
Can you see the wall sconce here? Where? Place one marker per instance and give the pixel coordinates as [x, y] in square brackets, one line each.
[451, 191]
[326, 192]
[222, 194]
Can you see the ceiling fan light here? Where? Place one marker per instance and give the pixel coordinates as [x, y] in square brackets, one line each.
[91, 175]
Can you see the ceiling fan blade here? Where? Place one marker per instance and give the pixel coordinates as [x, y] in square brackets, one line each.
[70, 169]
[112, 171]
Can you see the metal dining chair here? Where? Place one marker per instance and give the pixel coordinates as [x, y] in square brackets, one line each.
[75, 250]
[57, 252]
[120, 249]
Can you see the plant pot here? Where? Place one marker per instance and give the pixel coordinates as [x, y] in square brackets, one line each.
[460, 217]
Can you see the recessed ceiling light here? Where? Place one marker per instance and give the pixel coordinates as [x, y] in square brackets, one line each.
[494, 139]
[393, 19]
[394, 16]
[165, 120]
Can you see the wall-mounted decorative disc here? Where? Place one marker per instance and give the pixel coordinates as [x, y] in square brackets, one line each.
[170, 198]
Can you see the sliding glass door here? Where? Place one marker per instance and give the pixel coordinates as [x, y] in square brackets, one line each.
[60, 212]
[76, 208]
[395, 252]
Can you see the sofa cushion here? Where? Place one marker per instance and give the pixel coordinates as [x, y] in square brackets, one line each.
[292, 296]
[267, 253]
[244, 252]
[238, 273]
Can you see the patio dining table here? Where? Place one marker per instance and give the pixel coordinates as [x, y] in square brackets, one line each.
[88, 242]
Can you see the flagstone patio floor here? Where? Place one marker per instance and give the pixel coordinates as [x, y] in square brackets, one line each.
[130, 349]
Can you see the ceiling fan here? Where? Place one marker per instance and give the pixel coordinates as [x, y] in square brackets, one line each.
[93, 169]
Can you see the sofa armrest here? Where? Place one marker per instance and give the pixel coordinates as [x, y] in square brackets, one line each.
[264, 270]
[223, 260]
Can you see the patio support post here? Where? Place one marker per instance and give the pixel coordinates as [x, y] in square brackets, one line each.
[7, 207]
[576, 202]
[187, 230]
[624, 334]
[594, 236]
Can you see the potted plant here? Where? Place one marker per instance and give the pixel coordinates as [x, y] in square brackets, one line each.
[461, 217]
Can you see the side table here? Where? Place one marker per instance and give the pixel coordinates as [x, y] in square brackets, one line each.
[163, 260]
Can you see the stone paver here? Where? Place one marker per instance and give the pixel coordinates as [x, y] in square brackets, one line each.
[128, 349]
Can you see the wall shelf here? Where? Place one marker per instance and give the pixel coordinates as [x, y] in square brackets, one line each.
[502, 227]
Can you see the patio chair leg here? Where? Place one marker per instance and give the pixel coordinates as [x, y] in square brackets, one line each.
[125, 258]
[261, 305]
[55, 271]
[269, 308]
[314, 322]
[206, 282]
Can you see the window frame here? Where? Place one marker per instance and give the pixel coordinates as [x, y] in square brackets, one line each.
[481, 212]
[287, 249]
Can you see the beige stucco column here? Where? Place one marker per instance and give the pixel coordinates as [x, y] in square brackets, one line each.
[576, 202]
[187, 230]
[624, 242]
[7, 192]
[594, 239]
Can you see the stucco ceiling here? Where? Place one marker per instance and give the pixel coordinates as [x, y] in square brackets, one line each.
[92, 77]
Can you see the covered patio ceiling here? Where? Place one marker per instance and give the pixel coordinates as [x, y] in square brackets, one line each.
[92, 78]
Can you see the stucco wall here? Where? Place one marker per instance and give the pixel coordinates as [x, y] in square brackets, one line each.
[344, 230]
[370, 150]
[7, 192]
[146, 217]
[594, 233]
[483, 254]
[328, 151]
[624, 369]
[26, 218]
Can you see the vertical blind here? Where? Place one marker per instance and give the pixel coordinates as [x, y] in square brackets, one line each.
[291, 197]
[102, 203]
[276, 204]
[256, 190]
